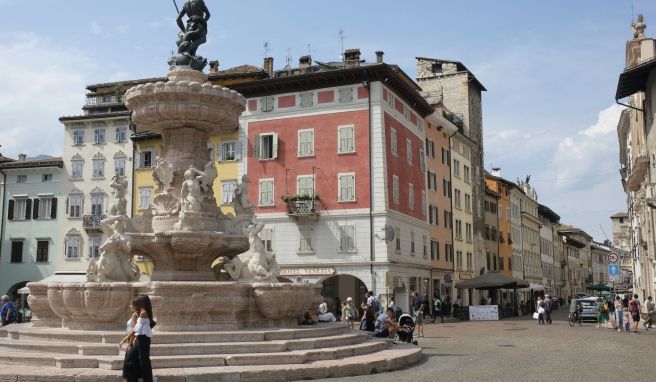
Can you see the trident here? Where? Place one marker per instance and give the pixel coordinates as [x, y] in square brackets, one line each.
[176, 6]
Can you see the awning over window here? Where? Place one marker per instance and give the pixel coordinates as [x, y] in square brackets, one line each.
[634, 79]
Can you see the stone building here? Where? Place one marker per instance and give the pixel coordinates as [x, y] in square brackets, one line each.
[29, 235]
[621, 245]
[599, 254]
[458, 89]
[576, 249]
[551, 268]
[502, 187]
[637, 142]
[532, 262]
[491, 230]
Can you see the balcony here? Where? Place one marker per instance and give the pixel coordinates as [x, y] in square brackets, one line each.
[102, 100]
[91, 223]
[302, 207]
[638, 172]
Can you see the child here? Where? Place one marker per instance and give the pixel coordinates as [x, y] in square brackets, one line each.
[627, 320]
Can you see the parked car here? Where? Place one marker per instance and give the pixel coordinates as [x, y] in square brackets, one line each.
[590, 309]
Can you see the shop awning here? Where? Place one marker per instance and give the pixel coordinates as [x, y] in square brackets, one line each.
[634, 80]
[533, 286]
[492, 280]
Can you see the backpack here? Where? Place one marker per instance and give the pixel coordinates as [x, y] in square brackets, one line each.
[375, 304]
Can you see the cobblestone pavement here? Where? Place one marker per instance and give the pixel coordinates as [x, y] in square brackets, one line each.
[521, 350]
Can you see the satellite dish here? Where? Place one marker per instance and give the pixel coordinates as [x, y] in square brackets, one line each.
[389, 233]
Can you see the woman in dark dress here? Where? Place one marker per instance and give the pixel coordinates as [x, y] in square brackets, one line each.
[140, 329]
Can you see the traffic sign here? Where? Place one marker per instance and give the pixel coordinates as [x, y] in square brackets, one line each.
[613, 258]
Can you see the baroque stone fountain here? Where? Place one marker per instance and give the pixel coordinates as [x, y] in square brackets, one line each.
[184, 232]
[202, 323]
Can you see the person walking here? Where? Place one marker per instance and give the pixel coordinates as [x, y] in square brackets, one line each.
[548, 307]
[140, 329]
[619, 313]
[612, 323]
[437, 308]
[649, 312]
[540, 311]
[635, 314]
[602, 315]
[419, 307]
[349, 313]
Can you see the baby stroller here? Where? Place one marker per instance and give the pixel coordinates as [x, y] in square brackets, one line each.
[406, 330]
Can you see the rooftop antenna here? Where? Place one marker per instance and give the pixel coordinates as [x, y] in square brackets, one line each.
[289, 59]
[341, 42]
[309, 49]
[602, 230]
[266, 49]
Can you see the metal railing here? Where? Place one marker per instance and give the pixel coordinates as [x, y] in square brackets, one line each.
[92, 222]
[303, 207]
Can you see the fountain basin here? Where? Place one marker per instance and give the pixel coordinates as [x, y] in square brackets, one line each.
[284, 301]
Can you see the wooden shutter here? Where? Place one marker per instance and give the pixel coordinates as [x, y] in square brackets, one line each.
[256, 146]
[28, 209]
[35, 214]
[137, 159]
[220, 152]
[53, 208]
[238, 150]
[274, 151]
[10, 210]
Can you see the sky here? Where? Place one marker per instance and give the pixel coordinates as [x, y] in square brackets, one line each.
[550, 67]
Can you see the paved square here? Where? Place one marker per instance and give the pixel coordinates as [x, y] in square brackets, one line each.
[521, 350]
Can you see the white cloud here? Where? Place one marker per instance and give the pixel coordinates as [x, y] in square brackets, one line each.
[592, 151]
[95, 28]
[42, 82]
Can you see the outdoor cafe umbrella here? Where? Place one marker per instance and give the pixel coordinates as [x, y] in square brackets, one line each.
[600, 287]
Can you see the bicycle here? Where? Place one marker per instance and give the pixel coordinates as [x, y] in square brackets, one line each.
[575, 318]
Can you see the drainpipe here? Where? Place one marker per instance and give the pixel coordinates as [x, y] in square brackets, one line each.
[372, 242]
[4, 193]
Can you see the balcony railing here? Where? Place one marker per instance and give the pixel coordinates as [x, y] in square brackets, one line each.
[310, 208]
[103, 100]
[92, 222]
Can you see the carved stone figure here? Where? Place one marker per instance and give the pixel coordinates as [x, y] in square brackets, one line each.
[639, 27]
[192, 36]
[163, 175]
[120, 186]
[115, 262]
[257, 265]
[240, 199]
[191, 194]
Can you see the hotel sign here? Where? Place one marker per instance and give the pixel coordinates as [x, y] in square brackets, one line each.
[307, 271]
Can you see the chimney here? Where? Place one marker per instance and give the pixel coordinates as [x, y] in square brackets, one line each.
[352, 58]
[22, 157]
[379, 57]
[214, 67]
[268, 66]
[304, 63]
[496, 171]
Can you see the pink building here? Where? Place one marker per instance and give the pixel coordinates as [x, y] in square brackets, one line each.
[337, 166]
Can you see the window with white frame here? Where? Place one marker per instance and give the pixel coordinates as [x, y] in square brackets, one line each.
[468, 205]
[397, 237]
[94, 246]
[459, 260]
[119, 166]
[265, 146]
[266, 192]
[423, 203]
[73, 246]
[395, 189]
[458, 228]
[412, 243]
[229, 151]
[347, 238]
[346, 187]
[409, 153]
[76, 169]
[20, 209]
[411, 196]
[228, 191]
[144, 198]
[98, 168]
[75, 205]
[466, 173]
[267, 239]
[435, 250]
[99, 136]
[470, 261]
[146, 159]
[46, 178]
[21, 179]
[306, 142]
[468, 232]
[306, 239]
[97, 201]
[45, 207]
[393, 143]
[456, 168]
[305, 185]
[424, 241]
[456, 199]
[422, 161]
[121, 134]
[346, 138]
[78, 137]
